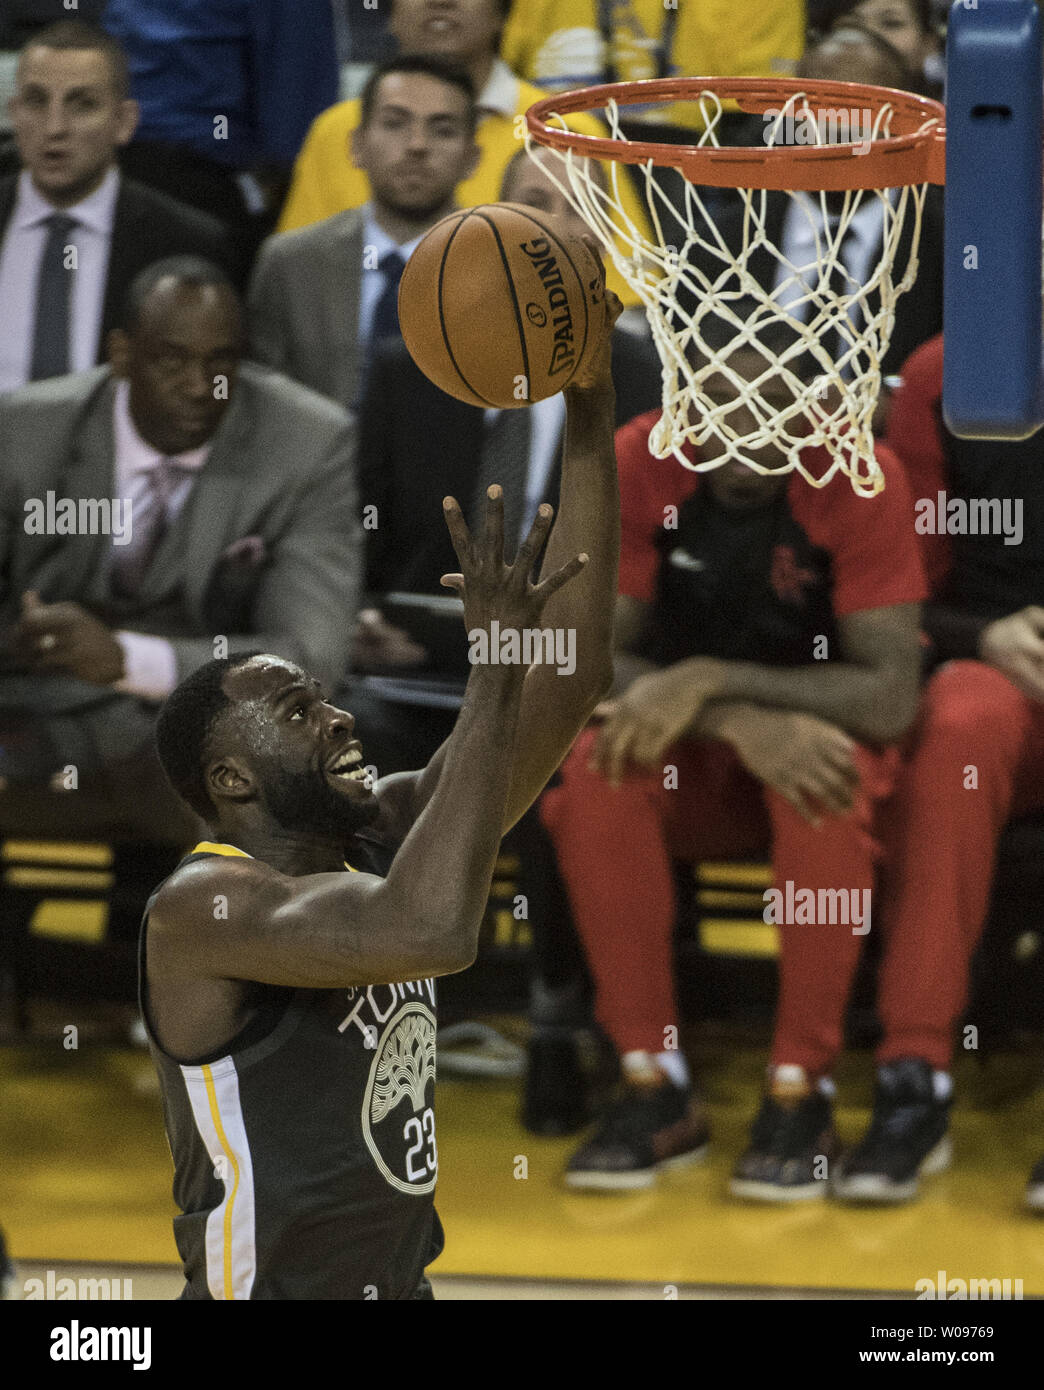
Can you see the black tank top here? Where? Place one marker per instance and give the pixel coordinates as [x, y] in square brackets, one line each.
[723, 590]
[304, 1155]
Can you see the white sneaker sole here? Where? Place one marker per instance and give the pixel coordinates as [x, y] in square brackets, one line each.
[634, 1181]
[1035, 1197]
[750, 1190]
[872, 1187]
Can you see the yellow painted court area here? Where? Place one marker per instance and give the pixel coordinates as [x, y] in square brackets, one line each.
[86, 1177]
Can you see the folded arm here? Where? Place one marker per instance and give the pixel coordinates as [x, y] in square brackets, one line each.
[870, 692]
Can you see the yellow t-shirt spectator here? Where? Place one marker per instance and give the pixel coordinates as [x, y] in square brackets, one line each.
[563, 44]
[326, 182]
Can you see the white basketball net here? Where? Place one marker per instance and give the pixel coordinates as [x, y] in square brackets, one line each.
[834, 409]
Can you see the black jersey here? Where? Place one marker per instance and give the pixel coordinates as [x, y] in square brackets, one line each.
[769, 584]
[740, 586]
[304, 1153]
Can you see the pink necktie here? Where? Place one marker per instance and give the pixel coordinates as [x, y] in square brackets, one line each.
[150, 519]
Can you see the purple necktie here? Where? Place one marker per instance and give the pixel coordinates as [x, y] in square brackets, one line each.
[149, 521]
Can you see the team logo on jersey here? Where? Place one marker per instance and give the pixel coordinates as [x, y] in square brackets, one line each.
[398, 1118]
[788, 578]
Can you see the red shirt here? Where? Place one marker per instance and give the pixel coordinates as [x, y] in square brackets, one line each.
[915, 433]
[859, 552]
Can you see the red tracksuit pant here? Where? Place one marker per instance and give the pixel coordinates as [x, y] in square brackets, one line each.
[976, 758]
[616, 846]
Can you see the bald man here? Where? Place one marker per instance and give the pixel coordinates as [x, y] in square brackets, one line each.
[149, 521]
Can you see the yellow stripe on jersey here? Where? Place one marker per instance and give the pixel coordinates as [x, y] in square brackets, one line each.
[212, 1091]
[215, 1115]
[215, 847]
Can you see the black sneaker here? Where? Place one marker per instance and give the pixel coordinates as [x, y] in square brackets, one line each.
[554, 1093]
[1035, 1189]
[792, 1144]
[908, 1138]
[653, 1125]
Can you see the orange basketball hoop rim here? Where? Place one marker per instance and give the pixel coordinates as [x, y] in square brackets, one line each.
[913, 151]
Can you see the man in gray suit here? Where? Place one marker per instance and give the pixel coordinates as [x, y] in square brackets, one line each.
[172, 507]
[323, 296]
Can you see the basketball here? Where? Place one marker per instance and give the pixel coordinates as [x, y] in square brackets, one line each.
[497, 308]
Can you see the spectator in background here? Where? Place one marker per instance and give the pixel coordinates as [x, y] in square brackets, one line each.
[323, 296]
[793, 222]
[227, 92]
[73, 232]
[564, 44]
[983, 709]
[466, 33]
[225, 549]
[417, 444]
[908, 25]
[726, 735]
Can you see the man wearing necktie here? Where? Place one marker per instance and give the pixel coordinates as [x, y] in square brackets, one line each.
[227, 548]
[73, 232]
[325, 298]
[417, 443]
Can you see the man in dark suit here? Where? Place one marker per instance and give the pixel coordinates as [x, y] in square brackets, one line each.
[228, 547]
[417, 444]
[323, 296]
[794, 222]
[73, 232]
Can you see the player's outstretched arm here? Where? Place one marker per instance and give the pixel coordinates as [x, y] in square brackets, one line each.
[557, 701]
[335, 930]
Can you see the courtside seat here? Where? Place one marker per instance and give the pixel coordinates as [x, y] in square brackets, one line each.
[70, 911]
[726, 951]
[69, 914]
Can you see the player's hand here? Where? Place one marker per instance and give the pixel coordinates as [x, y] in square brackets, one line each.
[378, 644]
[595, 370]
[807, 760]
[492, 589]
[653, 713]
[1015, 645]
[65, 637]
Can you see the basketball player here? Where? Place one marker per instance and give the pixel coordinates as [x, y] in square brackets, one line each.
[287, 967]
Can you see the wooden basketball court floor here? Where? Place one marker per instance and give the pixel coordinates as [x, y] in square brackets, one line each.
[85, 1191]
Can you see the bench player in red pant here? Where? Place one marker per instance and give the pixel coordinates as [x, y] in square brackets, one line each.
[768, 657]
[983, 709]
